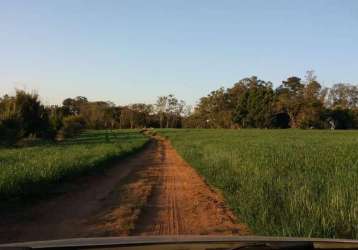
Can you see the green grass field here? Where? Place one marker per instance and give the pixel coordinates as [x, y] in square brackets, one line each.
[32, 170]
[280, 182]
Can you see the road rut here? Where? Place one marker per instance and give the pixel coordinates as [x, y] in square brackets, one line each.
[182, 203]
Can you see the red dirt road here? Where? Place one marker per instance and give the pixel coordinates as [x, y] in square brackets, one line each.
[154, 192]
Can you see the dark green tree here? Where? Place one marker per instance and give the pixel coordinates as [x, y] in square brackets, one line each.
[254, 103]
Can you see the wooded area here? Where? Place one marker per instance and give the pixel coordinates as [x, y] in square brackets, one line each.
[296, 103]
[250, 103]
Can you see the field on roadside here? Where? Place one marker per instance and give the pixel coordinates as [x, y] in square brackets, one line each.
[31, 170]
[280, 182]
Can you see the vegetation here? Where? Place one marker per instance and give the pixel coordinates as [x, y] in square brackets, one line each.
[291, 182]
[280, 182]
[296, 103]
[29, 171]
[24, 117]
[250, 103]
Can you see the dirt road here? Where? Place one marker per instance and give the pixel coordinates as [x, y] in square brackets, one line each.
[153, 192]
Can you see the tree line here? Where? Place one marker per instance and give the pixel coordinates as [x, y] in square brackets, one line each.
[296, 103]
[249, 103]
[23, 116]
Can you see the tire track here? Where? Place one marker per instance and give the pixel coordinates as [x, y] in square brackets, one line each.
[182, 203]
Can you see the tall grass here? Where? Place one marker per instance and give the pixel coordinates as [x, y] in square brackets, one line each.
[280, 182]
[31, 170]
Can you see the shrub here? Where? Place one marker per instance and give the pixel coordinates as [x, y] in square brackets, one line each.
[10, 132]
[72, 125]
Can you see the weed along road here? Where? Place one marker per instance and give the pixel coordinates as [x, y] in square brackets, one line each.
[153, 192]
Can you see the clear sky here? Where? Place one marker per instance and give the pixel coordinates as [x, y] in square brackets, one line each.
[133, 51]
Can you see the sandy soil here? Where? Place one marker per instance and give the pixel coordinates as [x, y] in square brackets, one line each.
[154, 192]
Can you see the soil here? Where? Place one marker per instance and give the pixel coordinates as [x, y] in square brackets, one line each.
[153, 192]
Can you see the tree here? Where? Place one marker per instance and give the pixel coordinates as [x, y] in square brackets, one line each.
[141, 114]
[214, 110]
[55, 115]
[313, 96]
[344, 96]
[73, 106]
[254, 105]
[290, 99]
[169, 110]
[96, 114]
[126, 117]
[161, 106]
[23, 115]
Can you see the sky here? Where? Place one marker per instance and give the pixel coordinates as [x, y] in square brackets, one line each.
[129, 51]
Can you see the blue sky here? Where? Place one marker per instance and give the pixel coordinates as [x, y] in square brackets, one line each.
[133, 51]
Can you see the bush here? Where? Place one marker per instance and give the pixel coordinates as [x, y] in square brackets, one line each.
[10, 132]
[72, 125]
[23, 116]
[339, 118]
[280, 120]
